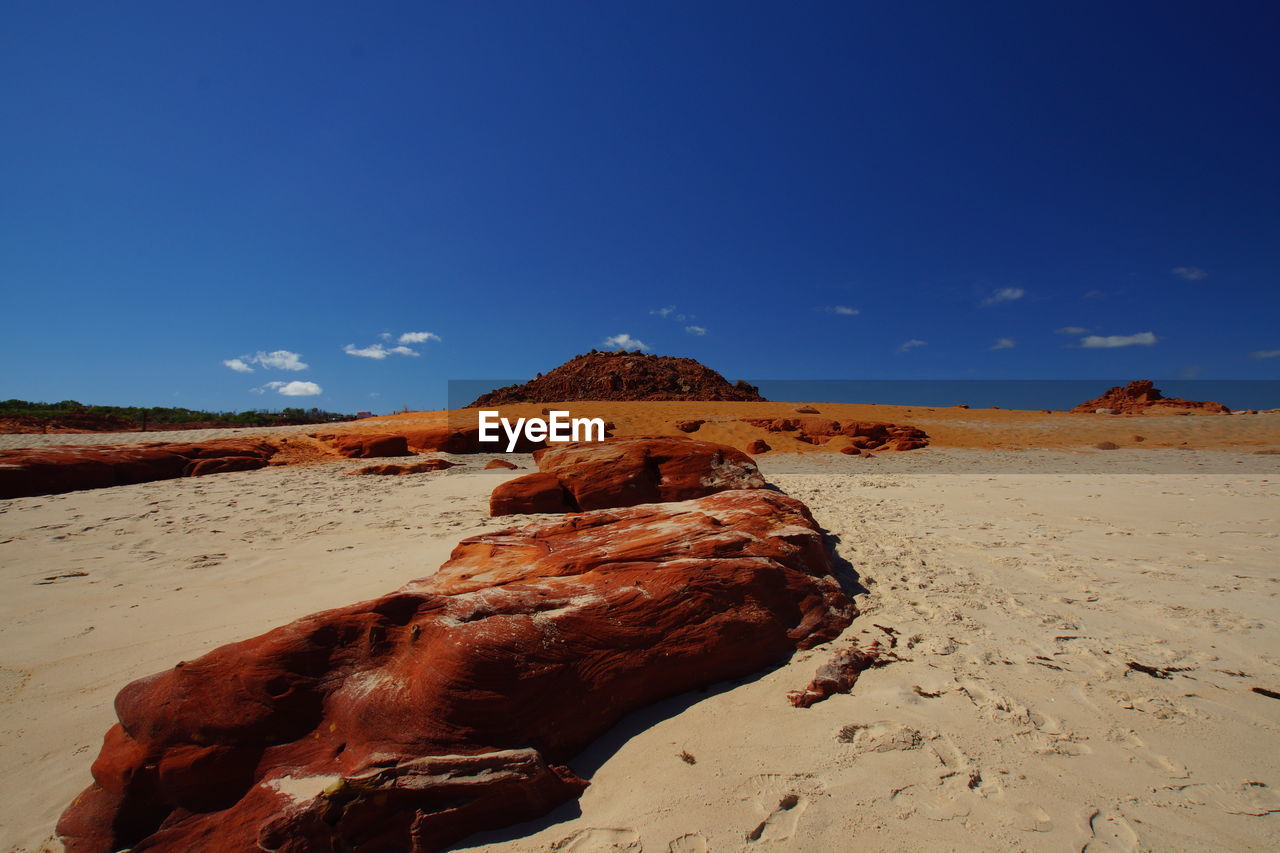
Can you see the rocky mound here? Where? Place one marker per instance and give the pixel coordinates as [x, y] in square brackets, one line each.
[1140, 395]
[624, 376]
[452, 705]
[863, 435]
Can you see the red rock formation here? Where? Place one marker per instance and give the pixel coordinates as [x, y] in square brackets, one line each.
[1140, 395]
[413, 720]
[627, 471]
[758, 446]
[839, 674]
[689, 426]
[500, 463]
[359, 445]
[453, 439]
[863, 434]
[623, 376]
[409, 468]
[69, 468]
[528, 494]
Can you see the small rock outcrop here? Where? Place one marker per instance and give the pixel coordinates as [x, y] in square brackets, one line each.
[358, 445]
[408, 468]
[627, 471]
[623, 376]
[500, 463]
[758, 446]
[70, 468]
[1139, 396]
[865, 435]
[451, 706]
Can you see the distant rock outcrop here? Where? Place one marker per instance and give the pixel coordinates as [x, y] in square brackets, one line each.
[866, 435]
[623, 472]
[623, 376]
[451, 706]
[70, 468]
[1140, 395]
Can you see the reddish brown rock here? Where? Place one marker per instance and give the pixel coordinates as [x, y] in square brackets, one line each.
[862, 434]
[451, 705]
[69, 468]
[1139, 438]
[528, 494]
[500, 463]
[758, 446]
[839, 674]
[1107, 445]
[409, 468]
[806, 410]
[645, 469]
[1141, 395]
[851, 451]
[454, 439]
[623, 376]
[358, 445]
[689, 426]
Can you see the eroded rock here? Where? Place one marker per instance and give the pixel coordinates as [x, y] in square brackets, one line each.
[450, 706]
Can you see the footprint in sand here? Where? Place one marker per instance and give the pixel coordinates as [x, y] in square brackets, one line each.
[1109, 832]
[782, 799]
[11, 682]
[601, 840]
[691, 843]
[882, 736]
[1243, 798]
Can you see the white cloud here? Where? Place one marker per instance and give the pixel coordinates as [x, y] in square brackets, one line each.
[280, 359]
[664, 312]
[1144, 339]
[624, 341]
[695, 330]
[670, 313]
[843, 310]
[912, 344]
[377, 351]
[1071, 330]
[1190, 273]
[1266, 353]
[293, 389]
[404, 351]
[1004, 343]
[417, 338]
[1005, 294]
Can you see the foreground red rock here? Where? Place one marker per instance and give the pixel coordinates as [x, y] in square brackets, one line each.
[625, 472]
[1141, 395]
[357, 445]
[395, 470]
[69, 468]
[451, 705]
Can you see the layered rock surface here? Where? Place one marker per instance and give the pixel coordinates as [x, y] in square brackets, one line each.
[1141, 395]
[451, 705]
[69, 468]
[623, 376]
[864, 435]
[623, 472]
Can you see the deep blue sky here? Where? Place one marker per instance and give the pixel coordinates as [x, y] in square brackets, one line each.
[185, 184]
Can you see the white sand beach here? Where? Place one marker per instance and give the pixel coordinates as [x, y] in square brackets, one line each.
[1012, 721]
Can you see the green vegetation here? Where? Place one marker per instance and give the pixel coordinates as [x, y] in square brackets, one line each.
[70, 414]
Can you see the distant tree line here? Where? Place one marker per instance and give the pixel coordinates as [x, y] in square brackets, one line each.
[71, 414]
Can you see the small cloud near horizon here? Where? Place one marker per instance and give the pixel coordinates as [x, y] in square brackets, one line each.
[1190, 273]
[291, 389]
[1142, 339]
[280, 359]
[670, 313]
[378, 351]
[907, 346]
[1004, 343]
[418, 337]
[842, 310]
[695, 330]
[1005, 294]
[1266, 353]
[624, 341]
[1071, 330]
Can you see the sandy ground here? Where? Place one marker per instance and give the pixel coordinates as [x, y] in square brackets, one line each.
[1013, 722]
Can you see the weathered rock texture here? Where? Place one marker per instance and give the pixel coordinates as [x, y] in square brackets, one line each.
[69, 468]
[454, 439]
[408, 468]
[623, 376]
[1140, 395]
[449, 706]
[357, 445]
[625, 472]
[866, 435]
